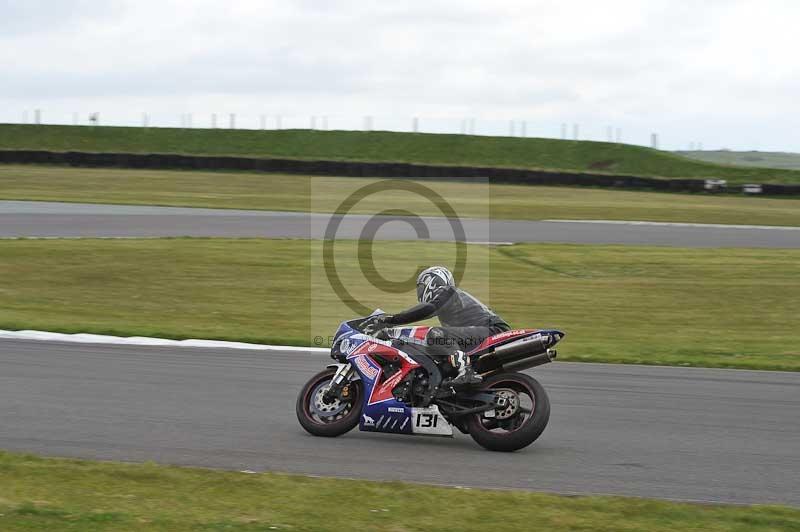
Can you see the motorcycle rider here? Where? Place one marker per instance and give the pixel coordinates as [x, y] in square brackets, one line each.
[466, 322]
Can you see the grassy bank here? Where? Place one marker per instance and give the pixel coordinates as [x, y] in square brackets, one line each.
[696, 307]
[763, 159]
[303, 193]
[385, 146]
[60, 494]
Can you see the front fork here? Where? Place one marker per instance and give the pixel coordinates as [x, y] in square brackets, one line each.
[339, 387]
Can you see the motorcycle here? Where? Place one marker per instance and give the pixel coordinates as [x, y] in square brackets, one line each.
[379, 386]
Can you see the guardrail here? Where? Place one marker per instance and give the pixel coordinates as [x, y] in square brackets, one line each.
[517, 176]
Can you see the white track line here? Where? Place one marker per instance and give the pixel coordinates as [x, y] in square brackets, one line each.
[83, 338]
[680, 224]
[145, 341]
[468, 242]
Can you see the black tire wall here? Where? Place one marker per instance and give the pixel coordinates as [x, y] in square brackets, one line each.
[514, 176]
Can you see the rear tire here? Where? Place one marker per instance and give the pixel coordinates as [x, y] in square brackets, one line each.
[337, 424]
[532, 425]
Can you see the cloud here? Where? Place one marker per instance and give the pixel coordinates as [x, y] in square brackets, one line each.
[21, 17]
[690, 70]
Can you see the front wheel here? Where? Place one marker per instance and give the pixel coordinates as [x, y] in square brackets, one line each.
[520, 422]
[328, 418]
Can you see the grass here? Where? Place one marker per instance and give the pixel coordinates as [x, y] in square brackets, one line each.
[729, 308]
[63, 494]
[581, 156]
[303, 193]
[784, 160]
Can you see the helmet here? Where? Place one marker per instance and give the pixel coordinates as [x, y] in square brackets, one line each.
[432, 281]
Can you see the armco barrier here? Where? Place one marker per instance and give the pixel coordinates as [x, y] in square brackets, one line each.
[516, 176]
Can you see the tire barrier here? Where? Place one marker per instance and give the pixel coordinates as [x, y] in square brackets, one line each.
[513, 176]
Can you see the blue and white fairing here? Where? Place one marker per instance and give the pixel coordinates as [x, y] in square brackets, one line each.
[347, 339]
[385, 416]
[381, 412]
[389, 415]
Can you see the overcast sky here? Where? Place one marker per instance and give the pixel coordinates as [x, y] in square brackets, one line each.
[722, 72]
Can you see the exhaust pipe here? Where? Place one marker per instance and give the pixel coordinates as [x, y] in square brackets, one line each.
[526, 363]
[532, 362]
[521, 348]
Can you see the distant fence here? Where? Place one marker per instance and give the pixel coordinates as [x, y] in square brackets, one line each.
[517, 176]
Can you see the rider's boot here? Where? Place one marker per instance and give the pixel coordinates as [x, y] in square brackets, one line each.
[466, 375]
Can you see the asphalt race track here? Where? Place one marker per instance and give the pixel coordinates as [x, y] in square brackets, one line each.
[47, 219]
[678, 433]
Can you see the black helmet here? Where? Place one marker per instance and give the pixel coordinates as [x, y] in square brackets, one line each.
[432, 281]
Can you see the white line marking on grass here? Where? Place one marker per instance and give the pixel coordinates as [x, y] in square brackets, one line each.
[680, 224]
[146, 341]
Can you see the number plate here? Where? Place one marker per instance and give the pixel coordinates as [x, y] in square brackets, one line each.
[430, 421]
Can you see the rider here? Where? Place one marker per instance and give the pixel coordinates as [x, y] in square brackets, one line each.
[466, 322]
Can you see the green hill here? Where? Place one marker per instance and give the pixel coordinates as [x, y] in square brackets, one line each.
[514, 152]
[763, 159]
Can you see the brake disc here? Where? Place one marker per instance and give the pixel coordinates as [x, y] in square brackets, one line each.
[323, 409]
[508, 406]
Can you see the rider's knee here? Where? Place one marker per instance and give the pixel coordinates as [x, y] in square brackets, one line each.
[435, 334]
[437, 340]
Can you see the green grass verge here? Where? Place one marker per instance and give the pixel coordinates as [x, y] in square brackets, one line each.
[63, 494]
[732, 308]
[581, 156]
[303, 193]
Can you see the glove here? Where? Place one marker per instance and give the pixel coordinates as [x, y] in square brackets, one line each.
[375, 324]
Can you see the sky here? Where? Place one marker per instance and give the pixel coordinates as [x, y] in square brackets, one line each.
[724, 73]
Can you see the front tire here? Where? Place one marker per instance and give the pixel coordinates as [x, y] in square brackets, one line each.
[519, 430]
[328, 419]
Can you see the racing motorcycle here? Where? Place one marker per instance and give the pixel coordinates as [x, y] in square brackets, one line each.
[377, 385]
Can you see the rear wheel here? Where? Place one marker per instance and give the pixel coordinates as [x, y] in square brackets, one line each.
[520, 421]
[328, 418]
